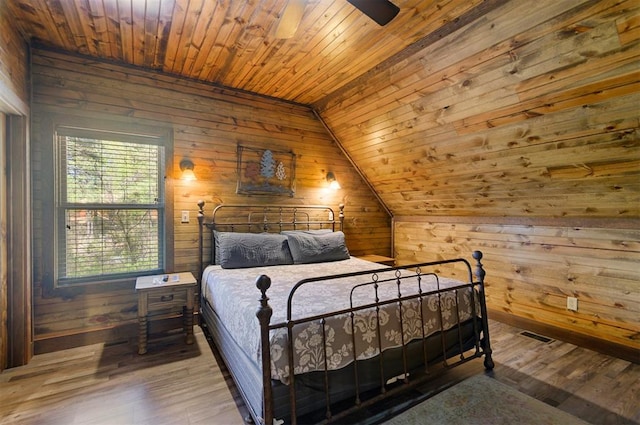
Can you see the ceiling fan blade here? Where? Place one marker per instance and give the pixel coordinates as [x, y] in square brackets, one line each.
[290, 19]
[381, 11]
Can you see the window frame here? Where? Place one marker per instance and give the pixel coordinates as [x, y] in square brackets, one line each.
[51, 205]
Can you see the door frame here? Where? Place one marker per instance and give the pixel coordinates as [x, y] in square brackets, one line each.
[17, 341]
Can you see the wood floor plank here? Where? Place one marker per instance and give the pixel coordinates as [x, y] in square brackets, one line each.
[179, 384]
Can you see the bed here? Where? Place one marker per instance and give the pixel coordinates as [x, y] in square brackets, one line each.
[310, 333]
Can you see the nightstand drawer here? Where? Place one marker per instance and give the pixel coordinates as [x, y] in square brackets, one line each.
[168, 299]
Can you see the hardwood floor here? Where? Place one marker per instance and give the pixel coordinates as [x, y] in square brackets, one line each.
[597, 388]
[173, 383]
[178, 384]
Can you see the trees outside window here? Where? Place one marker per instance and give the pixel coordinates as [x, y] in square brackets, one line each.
[110, 205]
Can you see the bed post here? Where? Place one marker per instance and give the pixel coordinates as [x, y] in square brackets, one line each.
[200, 235]
[264, 317]
[486, 345]
[341, 216]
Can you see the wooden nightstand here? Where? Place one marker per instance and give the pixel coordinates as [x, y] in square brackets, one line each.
[380, 259]
[163, 295]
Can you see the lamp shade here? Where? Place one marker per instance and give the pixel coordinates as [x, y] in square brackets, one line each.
[333, 183]
[186, 166]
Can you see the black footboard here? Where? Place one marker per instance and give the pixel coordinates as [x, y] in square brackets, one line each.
[322, 390]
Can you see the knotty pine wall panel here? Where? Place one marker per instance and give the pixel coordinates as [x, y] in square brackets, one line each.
[532, 268]
[207, 124]
[527, 118]
[14, 73]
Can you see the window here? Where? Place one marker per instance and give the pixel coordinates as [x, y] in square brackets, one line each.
[110, 205]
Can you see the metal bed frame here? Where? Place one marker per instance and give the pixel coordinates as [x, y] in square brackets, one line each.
[414, 357]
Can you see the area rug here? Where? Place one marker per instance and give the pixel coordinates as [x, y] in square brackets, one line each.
[483, 400]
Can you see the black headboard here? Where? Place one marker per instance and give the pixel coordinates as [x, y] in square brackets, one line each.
[256, 218]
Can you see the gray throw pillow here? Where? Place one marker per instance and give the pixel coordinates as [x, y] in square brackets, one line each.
[311, 247]
[239, 250]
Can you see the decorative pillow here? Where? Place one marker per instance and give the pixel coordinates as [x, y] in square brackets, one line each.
[238, 250]
[312, 247]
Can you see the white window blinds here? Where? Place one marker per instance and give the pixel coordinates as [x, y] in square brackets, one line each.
[111, 205]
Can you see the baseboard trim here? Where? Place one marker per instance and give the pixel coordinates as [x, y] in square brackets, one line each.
[601, 346]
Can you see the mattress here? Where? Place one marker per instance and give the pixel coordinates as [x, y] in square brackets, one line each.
[233, 295]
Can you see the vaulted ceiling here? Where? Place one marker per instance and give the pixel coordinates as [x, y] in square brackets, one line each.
[454, 108]
[233, 43]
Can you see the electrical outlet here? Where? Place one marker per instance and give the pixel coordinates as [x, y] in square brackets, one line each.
[572, 303]
[185, 217]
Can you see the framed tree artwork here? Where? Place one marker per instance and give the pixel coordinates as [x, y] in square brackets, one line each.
[265, 172]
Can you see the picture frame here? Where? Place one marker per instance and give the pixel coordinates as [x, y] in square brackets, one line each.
[265, 171]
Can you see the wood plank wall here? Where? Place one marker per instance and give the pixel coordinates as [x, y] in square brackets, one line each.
[14, 96]
[534, 265]
[208, 123]
[14, 73]
[518, 135]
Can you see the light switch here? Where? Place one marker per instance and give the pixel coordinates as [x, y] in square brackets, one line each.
[185, 217]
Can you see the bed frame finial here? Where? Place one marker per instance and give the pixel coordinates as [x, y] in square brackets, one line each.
[263, 282]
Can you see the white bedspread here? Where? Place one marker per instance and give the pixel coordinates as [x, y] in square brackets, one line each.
[234, 296]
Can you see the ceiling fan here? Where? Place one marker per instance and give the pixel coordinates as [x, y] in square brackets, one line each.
[381, 11]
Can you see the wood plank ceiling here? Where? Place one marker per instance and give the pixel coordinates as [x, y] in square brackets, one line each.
[232, 42]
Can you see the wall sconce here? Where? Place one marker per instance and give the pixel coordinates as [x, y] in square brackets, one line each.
[186, 166]
[333, 183]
